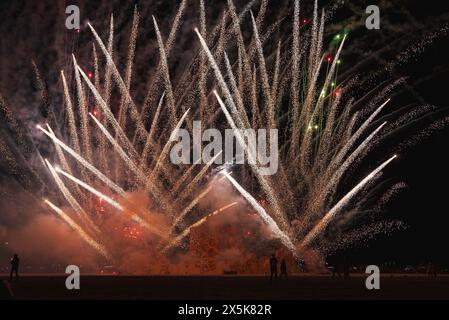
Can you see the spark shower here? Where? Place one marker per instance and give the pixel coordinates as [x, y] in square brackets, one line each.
[111, 155]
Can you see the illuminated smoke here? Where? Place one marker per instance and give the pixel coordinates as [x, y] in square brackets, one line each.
[94, 244]
[325, 135]
[263, 214]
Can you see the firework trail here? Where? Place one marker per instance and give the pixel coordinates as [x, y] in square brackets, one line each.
[263, 70]
[340, 204]
[199, 176]
[122, 86]
[168, 47]
[100, 195]
[189, 207]
[63, 160]
[119, 150]
[109, 114]
[82, 102]
[70, 199]
[129, 64]
[293, 88]
[241, 123]
[86, 164]
[263, 214]
[251, 158]
[71, 116]
[202, 64]
[149, 140]
[295, 64]
[165, 151]
[342, 153]
[186, 231]
[108, 72]
[235, 88]
[350, 160]
[94, 244]
[47, 109]
[185, 176]
[59, 152]
[111, 201]
[166, 75]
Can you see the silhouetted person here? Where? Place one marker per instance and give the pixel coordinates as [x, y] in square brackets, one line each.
[273, 267]
[335, 265]
[432, 270]
[283, 269]
[302, 266]
[14, 266]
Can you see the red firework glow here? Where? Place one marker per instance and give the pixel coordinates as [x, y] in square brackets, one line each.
[131, 232]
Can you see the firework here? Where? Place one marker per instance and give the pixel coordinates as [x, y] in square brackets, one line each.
[113, 203]
[296, 89]
[186, 231]
[73, 202]
[340, 204]
[79, 230]
[86, 164]
[263, 214]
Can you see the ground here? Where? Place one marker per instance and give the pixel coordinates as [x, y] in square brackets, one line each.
[226, 287]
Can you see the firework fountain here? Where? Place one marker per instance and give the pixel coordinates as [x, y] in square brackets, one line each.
[119, 147]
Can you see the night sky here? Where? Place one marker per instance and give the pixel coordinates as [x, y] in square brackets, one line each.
[34, 30]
